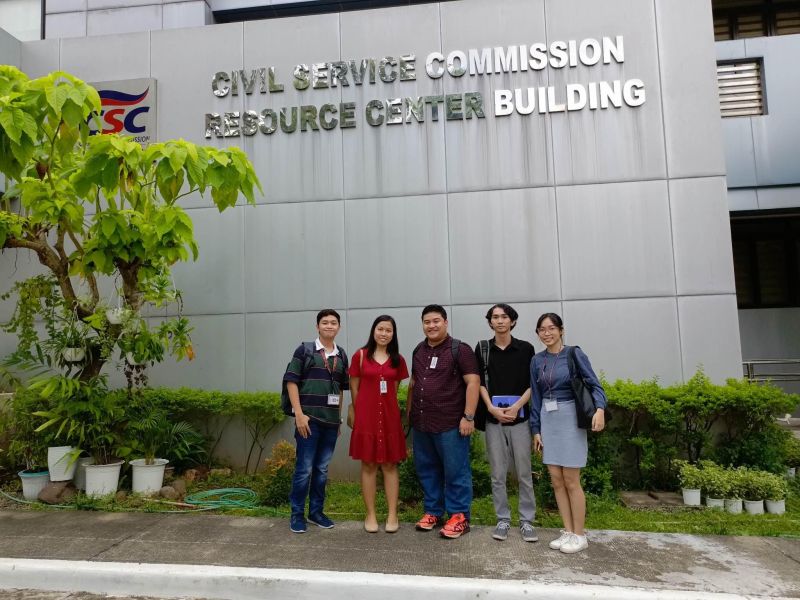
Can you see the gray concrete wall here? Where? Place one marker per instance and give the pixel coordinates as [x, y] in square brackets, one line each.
[10, 49]
[617, 219]
[762, 151]
[80, 18]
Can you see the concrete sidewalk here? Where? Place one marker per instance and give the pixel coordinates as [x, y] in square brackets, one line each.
[214, 556]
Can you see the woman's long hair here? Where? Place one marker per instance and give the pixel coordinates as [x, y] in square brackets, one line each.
[393, 347]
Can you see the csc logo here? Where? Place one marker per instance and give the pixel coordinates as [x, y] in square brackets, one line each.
[118, 111]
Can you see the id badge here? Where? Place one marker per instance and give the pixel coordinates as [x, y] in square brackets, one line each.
[333, 399]
[550, 404]
[384, 386]
[434, 360]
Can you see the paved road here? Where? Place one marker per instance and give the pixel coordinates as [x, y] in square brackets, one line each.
[39, 595]
[193, 545]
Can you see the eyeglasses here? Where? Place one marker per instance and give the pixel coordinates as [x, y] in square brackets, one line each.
[547, 329]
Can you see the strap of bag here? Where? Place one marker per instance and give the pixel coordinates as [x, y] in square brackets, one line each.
[574, 371]
[484, 348]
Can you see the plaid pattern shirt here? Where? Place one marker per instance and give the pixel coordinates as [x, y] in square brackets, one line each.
[440, 394]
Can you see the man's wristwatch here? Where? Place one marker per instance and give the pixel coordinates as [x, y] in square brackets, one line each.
[469, 417]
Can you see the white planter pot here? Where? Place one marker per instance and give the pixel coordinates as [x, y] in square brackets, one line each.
[115, 315]
[102, 480]
[715, 502]
[73, 354]
[691, 497]
[80, 472]
[148, 479]
[33, 483]
[776, 507]
[61, 467]
[791, 471]
[733, 506]
[754, 507]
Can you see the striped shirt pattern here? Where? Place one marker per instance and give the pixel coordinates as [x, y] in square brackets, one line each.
[317, 383]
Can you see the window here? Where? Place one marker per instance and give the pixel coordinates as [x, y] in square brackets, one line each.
[737, 19]
[766, 260]
[741, 91]
[22, 18]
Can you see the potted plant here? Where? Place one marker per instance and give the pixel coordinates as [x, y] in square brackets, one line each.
[26, 446]
[715, 484]
[753, 492]
[73, 349]
[733, 501]
[117, 315]
[138, 345]
[775, 490]
[691, 479]
[85, 413]
[152, 432]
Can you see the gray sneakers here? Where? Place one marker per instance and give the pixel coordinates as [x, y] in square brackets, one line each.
[501, 531]
[525, 528]
[528, 532]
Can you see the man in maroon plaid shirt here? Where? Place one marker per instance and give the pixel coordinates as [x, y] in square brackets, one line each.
[442, 397]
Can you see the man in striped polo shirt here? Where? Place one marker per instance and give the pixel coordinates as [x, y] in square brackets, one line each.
[315, 381]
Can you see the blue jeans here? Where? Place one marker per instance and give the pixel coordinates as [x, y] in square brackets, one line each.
[311, 467]
[442, 463]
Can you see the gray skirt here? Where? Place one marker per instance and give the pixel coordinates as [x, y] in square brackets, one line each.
[565, 444]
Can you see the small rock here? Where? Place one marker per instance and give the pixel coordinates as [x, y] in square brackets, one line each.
[180, 486]
[122, 495]
[169, 492]
[51, 494]
[222, 472]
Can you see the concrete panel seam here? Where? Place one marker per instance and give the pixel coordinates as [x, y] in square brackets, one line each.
[446, 180]
[515, 300]
[675, 274]
[242, 246]
[661, 88]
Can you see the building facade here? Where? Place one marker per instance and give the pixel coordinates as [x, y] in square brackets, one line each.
[559, 155]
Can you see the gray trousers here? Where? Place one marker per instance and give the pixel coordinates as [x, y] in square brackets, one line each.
[512, 442]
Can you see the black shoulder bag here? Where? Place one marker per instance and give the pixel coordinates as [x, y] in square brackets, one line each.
[584, 402]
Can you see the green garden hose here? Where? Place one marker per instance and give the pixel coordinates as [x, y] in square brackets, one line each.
[224, 498]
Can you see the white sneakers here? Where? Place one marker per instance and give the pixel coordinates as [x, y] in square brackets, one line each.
[569, 543]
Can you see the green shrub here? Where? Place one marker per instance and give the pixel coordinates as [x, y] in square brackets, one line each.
[754, 484]
[791, 452]
[653, 426]
[25, 448]
[598, 480]
[737, 482]
[775, 487]
[481, 480]
[542, 486]
[715, 482]
[690, 476]
[762, 449]
[277, 474]
[410, 488]
[212, 411]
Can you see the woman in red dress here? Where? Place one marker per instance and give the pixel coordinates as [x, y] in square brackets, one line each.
[376, 370]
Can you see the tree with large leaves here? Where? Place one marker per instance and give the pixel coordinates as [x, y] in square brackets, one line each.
[90, 206]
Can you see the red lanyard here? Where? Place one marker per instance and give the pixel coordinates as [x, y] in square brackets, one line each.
[552, 370]
[332, 369]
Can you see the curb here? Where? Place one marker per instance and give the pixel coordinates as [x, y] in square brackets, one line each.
[240, 583]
